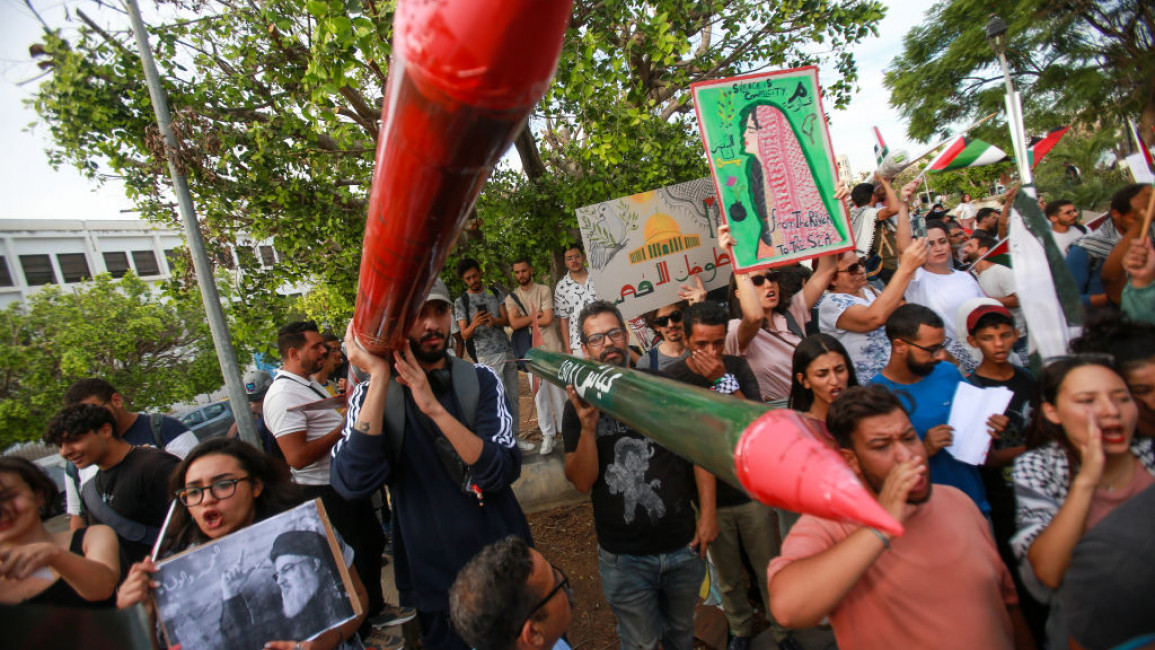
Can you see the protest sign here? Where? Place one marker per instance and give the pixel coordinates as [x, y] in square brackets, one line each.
[281, 579]
[642, 248]
[773, 166]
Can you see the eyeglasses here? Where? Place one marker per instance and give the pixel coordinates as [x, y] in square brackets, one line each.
[769, 277]
[934, 349]
[672, 317]
[617, 335]
[222, 489]
[852, 269]
[562, 585]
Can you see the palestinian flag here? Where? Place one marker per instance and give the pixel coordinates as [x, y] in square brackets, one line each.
[881, 151]
[1041, 146]
[1142, 147]
[966, 152]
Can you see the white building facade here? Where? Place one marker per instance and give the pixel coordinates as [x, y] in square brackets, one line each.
[35, 253]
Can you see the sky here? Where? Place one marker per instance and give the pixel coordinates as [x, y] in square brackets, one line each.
[31, 189]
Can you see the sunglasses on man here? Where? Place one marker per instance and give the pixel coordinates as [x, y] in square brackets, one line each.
[672, 317]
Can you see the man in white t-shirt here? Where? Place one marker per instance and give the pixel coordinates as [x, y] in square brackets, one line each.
[996, 280]
[1065, 228]
[306, 437]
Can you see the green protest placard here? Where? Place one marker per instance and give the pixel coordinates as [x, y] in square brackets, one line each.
[773, 166]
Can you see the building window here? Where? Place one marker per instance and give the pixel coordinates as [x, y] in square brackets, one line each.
[145, 262]
[170, 256]
[225, 257]
[5, 274]
[37, 270]
[116, 263]
[268, 257]
[74, 267]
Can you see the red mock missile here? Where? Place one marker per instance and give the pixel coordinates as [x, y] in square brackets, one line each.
[464, 76]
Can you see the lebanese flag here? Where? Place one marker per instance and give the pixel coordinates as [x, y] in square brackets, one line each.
[966, 152]
[1041, 146]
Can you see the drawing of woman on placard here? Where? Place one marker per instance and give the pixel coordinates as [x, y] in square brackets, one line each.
[782, 189]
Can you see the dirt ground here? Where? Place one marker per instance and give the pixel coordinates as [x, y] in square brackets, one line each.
[566, 537]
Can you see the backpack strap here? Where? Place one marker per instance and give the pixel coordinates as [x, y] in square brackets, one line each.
[653, 354]
[156, 423]
[394, 419]
[513, 294]
[133, 531]
[792, 325]
[465, 387]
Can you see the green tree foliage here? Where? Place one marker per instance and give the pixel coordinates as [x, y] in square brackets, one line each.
[1086, 62]
[155, 351]
[276, 110]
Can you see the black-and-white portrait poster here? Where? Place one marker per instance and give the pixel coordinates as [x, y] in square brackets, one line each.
[282, 579]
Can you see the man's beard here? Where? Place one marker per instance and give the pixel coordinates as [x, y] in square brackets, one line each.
[431, 356]
[921, 369]
[610, 349]
[294, 599]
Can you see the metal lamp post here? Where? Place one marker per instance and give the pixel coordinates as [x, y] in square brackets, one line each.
[997, 36]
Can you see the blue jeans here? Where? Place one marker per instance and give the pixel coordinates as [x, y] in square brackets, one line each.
[653, 597]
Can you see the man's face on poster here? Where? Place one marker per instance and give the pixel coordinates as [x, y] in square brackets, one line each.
[299, 578]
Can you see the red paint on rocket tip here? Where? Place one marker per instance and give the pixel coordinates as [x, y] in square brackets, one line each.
[781, 463]
[464, 76]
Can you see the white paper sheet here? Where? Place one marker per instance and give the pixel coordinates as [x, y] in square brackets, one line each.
[969, 412]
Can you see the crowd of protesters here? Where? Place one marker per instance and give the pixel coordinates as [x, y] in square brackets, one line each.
[1048, 542]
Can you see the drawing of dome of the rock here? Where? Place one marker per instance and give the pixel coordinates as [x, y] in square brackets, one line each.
[663, 236]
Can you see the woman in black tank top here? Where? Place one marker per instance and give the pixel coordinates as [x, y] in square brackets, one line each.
[74, 569]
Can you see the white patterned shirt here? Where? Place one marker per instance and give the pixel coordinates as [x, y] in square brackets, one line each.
[869, 351]
[568, 300]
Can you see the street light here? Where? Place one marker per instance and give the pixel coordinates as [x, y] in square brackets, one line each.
[997, 36]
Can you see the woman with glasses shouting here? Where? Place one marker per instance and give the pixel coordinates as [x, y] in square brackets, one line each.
[769, 329]
[855, 313]
[223, 486]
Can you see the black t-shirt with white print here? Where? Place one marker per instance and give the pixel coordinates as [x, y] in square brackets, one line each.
[643, 492]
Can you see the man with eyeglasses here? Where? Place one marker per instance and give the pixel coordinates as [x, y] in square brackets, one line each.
[509, 597]
[650, 546]
[129, 491]
[926, 385]
[573, 292]
[667, 322]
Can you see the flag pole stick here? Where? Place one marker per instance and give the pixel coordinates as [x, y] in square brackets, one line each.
[1147, 219]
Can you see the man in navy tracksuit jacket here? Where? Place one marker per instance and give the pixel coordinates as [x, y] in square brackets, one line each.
[448, 505]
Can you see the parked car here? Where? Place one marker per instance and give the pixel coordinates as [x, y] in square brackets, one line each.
[210, 420]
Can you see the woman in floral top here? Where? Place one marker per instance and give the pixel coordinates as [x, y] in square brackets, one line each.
[856, 314]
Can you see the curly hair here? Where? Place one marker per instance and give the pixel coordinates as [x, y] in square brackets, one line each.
[279, 493]
[77, 420]
[1131, 343]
